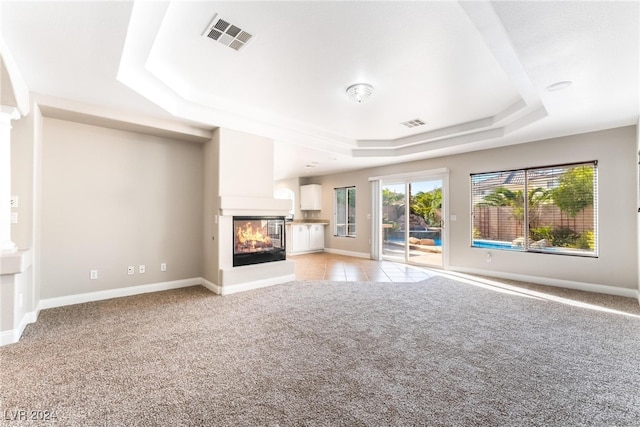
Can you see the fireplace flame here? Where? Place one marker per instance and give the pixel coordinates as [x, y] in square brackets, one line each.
[250, 237]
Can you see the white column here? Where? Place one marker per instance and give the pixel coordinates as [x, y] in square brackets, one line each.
[6, 115]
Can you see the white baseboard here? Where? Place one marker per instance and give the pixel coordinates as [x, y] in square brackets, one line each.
[117, 293]
[348, 253]
[13, 336]
[558, 283]
[314, 251]
[216, 289]
[256, 284]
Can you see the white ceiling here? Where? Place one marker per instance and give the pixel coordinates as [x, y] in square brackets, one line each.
[475, 72]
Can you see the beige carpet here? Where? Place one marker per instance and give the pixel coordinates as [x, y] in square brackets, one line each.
[437, 353]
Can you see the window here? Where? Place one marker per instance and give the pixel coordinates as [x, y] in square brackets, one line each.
[344, 211]
[558, 216]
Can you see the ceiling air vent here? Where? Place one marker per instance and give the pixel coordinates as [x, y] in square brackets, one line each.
[228, 34]
[413, 123]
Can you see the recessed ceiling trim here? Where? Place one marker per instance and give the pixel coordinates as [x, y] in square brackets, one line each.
[430, 146]
[453, 140]
[512, 112]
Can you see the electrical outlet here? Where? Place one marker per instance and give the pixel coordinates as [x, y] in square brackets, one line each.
[141, 268]
[93, 274]
[131, 270]
[489, 258]
[163, 266]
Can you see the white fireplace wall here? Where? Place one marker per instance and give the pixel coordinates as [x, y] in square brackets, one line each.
[244, 186]
[246, 164]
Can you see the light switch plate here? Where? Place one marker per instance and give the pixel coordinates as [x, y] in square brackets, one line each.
[141, 268]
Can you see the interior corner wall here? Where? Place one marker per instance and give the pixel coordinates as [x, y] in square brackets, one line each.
[111, 199]
[26, 148]
[637, 182]
[22, 177]
[211, 189]
[616, 153]
[358, 246]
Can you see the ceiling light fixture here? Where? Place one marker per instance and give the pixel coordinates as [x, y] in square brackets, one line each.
[360, 92]
[558, 86]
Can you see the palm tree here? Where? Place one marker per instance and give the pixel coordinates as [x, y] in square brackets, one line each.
[428, 205]
[504, 197]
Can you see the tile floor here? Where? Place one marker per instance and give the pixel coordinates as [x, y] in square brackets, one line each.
[326, 266]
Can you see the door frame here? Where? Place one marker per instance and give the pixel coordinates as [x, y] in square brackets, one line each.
[405, 178]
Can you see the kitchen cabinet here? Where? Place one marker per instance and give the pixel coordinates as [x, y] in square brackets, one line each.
[306, 237]
[316, 237]
[311, 197]
[299, 238]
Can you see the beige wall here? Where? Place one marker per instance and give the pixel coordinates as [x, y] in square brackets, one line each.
[615, 151]
[211, 188]
[22, 179]
[638, 202]
[111, 199]
[26, 157]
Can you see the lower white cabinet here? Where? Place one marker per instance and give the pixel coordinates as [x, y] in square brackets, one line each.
[306, 238]
[316, 237]
[299, 238]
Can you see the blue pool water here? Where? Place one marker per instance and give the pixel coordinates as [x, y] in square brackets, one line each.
[495, 245]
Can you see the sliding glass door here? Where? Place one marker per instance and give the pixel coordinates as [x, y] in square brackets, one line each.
[412, 222]
[393, 210]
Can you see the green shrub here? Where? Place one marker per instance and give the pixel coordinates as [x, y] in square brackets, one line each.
[540, 233]
[586, 240]
[564, 237]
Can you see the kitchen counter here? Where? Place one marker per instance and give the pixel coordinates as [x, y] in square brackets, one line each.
[309, 221]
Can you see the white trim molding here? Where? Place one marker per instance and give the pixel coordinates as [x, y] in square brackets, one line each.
[117, 293]
[256, 284]
[216, 289]
[13, 336]
[547, 281]
[347, 253]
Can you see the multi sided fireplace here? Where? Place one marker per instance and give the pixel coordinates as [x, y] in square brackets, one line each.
[258, 239]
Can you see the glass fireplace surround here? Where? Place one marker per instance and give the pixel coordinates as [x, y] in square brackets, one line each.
[258, 239]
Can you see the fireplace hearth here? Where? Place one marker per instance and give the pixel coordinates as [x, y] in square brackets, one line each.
[258, 239]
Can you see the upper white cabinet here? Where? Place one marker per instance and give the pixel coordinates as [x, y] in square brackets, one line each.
[311, 197]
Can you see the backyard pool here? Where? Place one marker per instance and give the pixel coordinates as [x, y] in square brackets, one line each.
[489, 244]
